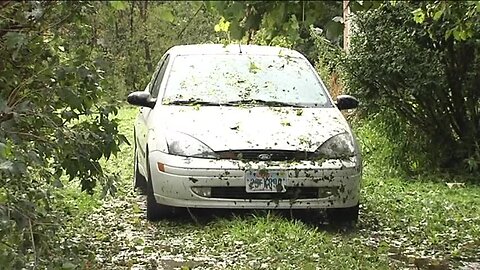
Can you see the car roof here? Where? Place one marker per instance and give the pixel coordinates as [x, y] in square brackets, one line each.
[231, 49]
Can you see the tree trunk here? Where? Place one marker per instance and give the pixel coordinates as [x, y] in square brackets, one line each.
[131, 74]
[346, 23]
[116, 29]
[146, 43]
[132, 10]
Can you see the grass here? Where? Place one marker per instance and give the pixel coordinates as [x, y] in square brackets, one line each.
[404, 223]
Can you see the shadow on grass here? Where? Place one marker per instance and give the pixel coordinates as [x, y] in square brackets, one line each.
[312, 218]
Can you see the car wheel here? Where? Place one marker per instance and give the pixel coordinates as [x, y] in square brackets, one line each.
[139, 180]
[155, 211]
[343, 215]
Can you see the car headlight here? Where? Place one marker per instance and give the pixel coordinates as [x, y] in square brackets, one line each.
[339, 146]
[182, 144]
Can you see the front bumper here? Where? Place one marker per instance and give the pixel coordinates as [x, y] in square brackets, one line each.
[310, 184]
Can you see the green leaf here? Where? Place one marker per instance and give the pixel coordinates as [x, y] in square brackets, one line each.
[253, 68]
[236, 11]
[459, 33]
[3, 150]
[372, 4]
[252, 22]
[448, 33]
[279, 13]
[15, 40]
[236, 31]
[438, 14]
[3, 104]
[418, 15]
[222, 25]
[216, 5]
[166, 14]
[333, 29]
[119, 5]
[68, 265]
[6, 166]
[356, 6]
[123, 139]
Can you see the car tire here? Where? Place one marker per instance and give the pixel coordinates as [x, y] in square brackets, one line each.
[155, 211]
[139, 181]
[343, 215]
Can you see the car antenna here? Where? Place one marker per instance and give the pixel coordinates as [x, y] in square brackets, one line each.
[240, 47]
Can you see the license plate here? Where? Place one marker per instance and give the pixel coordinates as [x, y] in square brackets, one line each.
[265, 181]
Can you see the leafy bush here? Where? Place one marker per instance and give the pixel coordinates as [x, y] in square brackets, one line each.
[420, 84]
[328, 61]
[52, 123]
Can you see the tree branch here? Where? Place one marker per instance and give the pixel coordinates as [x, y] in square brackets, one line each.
[190, 20]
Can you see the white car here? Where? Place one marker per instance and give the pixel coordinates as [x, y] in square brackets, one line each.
[244, 126]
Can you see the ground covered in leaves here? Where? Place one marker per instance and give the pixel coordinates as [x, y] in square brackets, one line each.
[404, 224]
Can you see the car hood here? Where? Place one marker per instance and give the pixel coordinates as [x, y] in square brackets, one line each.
[241, 128]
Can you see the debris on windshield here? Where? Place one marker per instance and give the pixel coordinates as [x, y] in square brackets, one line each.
[233, 77]
[245, 92]
[253, 68]
[236, 127]
[279, 110]
[285, 123]
[305, 140]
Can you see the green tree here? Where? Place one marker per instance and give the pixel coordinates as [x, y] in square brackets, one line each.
[134, 35]
[52, 120]
[65, 66]
[420, 62]
[284, 23]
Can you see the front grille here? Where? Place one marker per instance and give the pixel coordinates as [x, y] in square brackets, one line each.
[292, 193]
[273, 155]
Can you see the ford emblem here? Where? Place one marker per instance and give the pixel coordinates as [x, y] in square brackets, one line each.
[264, 156]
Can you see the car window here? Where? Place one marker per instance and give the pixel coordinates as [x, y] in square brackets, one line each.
[227, 78]
[158, 80]
[150, 83]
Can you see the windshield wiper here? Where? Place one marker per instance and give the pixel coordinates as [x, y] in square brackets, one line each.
[272, 103]
[193, 103]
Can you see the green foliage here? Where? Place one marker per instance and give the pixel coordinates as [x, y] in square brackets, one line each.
[450, 19]
[387, 145]
[52, 123]
[280, 23]
[421, 82]
[134, 36]
[64, 68]
[278, 18]
[329, 55]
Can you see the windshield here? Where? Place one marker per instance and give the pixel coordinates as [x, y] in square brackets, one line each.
[238, 79]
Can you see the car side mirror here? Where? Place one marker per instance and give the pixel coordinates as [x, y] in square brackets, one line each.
[141, 98]
[345, 102]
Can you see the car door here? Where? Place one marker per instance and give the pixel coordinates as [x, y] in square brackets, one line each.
[141, 125]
